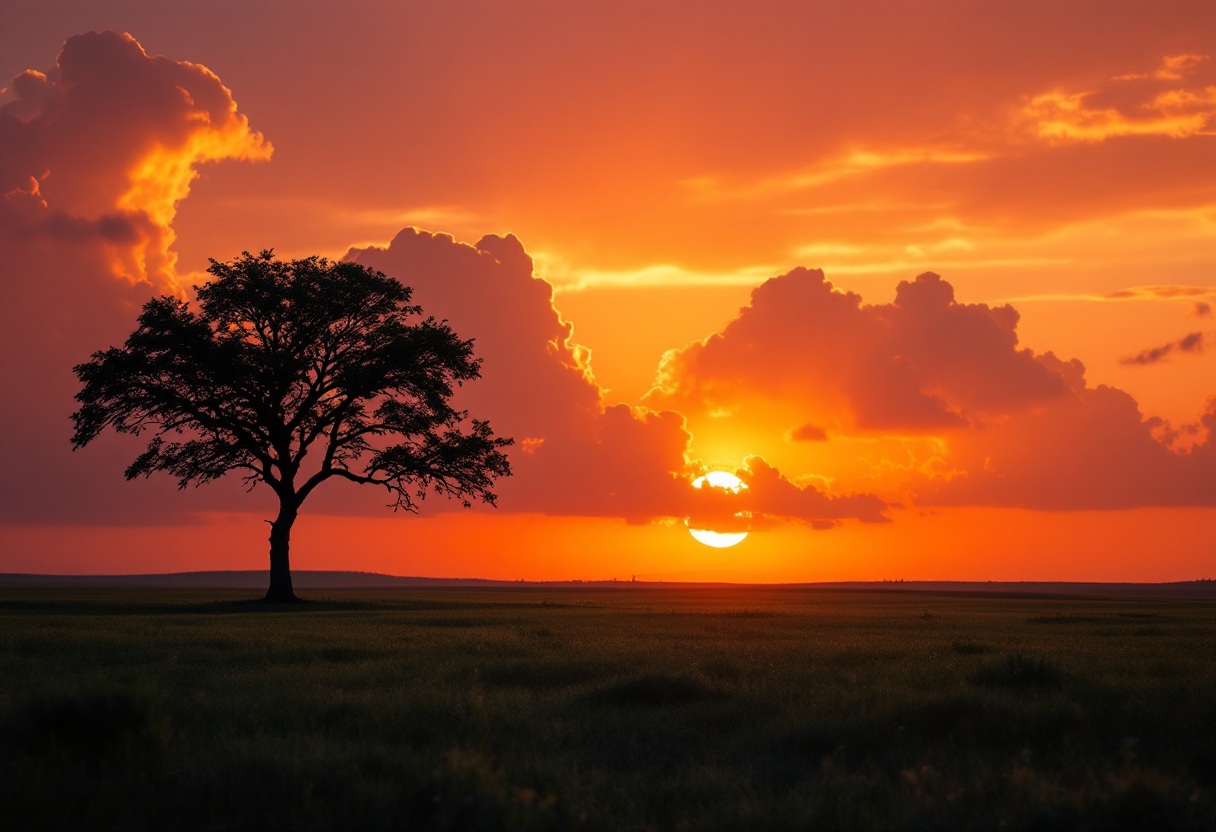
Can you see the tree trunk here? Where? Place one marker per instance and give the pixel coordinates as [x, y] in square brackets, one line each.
[280, 591]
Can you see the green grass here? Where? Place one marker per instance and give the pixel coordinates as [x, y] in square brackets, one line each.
[604, 709]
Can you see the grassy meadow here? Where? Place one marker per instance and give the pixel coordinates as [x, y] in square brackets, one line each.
[598, 709]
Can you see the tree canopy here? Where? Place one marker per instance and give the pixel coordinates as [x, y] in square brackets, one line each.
[293, 373]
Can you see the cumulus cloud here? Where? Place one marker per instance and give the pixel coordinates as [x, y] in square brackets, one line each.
[1202, 309]
[1013, 428]
[1192, 343]
[772, 494]
[1089, 450]
[577, 455]
[95, 154]
[921, 364]
[103, 146]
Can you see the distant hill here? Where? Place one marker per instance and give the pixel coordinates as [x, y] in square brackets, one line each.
[305, 579]
[252, 579]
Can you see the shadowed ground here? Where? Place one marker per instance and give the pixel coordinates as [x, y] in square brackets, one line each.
[604, 709]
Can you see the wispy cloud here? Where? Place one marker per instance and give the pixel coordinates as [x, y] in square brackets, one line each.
[565, 278]
[852, 164]
[1192, 343]
[1099, 114]
[1161, 292]
[1134, 293]
[1174, 67]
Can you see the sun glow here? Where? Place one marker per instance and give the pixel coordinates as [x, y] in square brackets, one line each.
[718, 540]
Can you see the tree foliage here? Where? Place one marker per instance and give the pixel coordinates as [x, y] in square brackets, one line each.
[293, 373]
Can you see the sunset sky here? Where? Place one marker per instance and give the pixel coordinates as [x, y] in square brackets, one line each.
[936, 280]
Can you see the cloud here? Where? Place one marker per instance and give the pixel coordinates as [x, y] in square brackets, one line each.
[1090, 450]
[1003, 425]
[578, 456]
[768, 497]
[1134, 293]
[1070, 116]
[1202, 309]
[95, 154]
[772, 494]
[111, 138]
[849, 165]
[921, 364]
[808, 433]
[1139, 105]
[1019, 176]
[1191, 343]
[1176, 67]
[568, 279]
[1159, 292]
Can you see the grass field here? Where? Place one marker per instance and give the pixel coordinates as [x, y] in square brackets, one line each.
[597, 709]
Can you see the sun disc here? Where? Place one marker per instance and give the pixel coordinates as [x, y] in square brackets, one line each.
[720, 479]
[728, 481]
[719, 540]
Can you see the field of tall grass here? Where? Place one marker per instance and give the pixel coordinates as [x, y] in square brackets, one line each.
[536, 708]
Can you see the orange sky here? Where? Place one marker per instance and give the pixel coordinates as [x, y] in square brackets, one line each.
[1053, 163]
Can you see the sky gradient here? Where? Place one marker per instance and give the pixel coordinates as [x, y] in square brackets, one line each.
[936, 280]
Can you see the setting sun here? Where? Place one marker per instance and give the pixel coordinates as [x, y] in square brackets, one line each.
[720, 539]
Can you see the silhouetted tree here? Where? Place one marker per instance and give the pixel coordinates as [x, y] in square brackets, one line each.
[280, 360]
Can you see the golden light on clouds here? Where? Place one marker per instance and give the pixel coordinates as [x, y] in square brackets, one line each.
[1178, 113]
[1175, 112]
